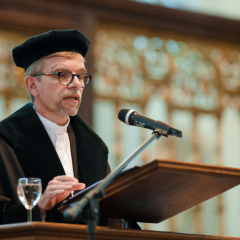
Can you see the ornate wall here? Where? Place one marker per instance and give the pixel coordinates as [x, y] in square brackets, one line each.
[13, 93]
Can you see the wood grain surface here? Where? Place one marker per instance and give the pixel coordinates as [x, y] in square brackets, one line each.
[59, 231]
[42, 15]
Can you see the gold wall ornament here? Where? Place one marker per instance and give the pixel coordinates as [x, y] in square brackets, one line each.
[189, 74]
[11, 77]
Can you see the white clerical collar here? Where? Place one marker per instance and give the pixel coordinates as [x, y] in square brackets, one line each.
[51, 126]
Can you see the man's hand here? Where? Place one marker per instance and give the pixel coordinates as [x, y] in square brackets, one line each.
[57, 190]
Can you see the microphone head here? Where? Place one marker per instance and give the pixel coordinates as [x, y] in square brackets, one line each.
[175, 132]
[122, 114]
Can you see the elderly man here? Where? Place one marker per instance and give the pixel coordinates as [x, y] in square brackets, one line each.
[46, 138]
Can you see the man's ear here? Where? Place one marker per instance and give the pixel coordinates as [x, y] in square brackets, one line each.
[31, 85]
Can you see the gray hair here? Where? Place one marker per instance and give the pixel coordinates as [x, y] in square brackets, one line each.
[34, 68]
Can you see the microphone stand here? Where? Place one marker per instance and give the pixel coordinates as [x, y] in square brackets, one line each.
[87, 209]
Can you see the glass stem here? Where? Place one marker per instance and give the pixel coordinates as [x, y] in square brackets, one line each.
[29, 215]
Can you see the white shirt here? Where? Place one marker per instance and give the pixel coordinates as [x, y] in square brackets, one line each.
[60, 139]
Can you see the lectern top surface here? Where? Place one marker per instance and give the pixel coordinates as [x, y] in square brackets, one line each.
[164, 188]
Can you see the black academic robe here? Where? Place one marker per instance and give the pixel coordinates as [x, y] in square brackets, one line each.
[27, 151]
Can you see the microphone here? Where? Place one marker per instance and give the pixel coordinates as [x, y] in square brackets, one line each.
[131, 117]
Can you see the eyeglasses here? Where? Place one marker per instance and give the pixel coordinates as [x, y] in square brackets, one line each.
[65, 78]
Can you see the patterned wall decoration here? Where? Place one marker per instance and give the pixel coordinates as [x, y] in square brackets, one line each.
[189, 75]
[196, 81]
[12, 84]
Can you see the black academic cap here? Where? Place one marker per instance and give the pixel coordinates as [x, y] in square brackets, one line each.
[47, 43]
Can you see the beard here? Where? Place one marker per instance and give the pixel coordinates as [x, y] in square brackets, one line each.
[65, 111]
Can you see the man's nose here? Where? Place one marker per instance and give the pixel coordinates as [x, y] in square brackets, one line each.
[76, 83]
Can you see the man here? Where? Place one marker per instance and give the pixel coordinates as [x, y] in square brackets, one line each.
[46, 138]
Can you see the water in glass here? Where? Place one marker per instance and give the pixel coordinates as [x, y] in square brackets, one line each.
[29, 195]
[29, 191]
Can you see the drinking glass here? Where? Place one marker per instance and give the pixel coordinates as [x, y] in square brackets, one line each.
[29, 191]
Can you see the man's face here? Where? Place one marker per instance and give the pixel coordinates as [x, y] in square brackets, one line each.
[53, 98]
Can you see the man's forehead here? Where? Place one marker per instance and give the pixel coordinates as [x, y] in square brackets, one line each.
[60, 63]
[62, 67]
[64, 56]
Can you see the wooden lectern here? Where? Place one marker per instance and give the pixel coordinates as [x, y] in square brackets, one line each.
[162, 188]
[151, 193]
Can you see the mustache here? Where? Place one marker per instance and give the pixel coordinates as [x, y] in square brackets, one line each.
[70, 92]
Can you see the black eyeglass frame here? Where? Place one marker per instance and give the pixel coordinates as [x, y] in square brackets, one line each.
[59, 73]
